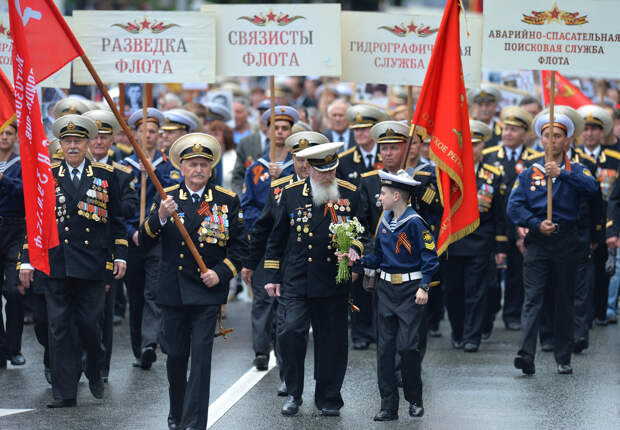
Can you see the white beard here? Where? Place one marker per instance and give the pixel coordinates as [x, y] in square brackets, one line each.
[322, 194]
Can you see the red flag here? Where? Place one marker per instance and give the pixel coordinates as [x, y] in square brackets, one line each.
[475, 6]
[46, 34]
[442, 110]
[7, 102]
[39, 197]
[565, 93]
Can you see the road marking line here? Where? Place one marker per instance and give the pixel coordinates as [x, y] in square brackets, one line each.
[5, 412]
[235, 392]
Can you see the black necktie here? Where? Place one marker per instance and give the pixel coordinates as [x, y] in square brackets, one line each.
[76, 178]
[369, 161]
[195, 198]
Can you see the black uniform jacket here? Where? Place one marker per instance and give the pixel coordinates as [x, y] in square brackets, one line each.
[301, 233]
[216, 228]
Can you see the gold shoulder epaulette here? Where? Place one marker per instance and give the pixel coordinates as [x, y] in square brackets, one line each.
[122, 167]
[347, 152]
[347, 185]
[612, 153]
[587, 157]
[294, 184]
[102, 166]
[422, 172]
[127, 149]
[281, 181]
[55, 164]
[491, 149]
[225, 191]
[492, 169]
[172, 187]
[371, 173]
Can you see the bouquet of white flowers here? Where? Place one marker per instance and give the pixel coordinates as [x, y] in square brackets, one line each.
[344, 234]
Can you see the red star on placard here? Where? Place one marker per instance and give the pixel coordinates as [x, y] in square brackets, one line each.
[145, 24]
[555, 12]
[271, 16]
[412, 27]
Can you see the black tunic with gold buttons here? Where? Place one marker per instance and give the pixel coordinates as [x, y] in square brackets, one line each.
[216, 228]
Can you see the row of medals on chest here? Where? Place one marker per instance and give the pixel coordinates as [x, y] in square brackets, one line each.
[214, 227]
[303, 216]
[93, 208]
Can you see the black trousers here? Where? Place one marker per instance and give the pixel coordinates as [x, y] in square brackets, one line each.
[465, 296]
[399, 325]
[493, 296]
[601, 284]
[41, 327]
[107, 324]
[513, 292]
[11, 236]
[364, 322]
[189, 331]
[74, 303]
[550, 263]
[141, 280]
[328, 316]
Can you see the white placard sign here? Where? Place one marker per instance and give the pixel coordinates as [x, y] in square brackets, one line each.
[575, 37]
[146, 46]
[60, 79]
[277, 39]
[396, 49]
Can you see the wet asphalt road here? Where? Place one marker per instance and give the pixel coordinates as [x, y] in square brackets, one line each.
[462, 391]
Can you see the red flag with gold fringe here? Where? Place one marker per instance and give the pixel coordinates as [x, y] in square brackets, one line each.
[442, 110]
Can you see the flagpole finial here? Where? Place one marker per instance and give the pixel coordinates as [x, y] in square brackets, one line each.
[462, 9]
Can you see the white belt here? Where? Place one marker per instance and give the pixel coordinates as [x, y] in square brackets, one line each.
[399, 278]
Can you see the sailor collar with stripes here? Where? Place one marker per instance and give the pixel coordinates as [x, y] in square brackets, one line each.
[406, 216]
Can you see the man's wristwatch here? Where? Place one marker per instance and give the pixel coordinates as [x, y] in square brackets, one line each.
[425, 287]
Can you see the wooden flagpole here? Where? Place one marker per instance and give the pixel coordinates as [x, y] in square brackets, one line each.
[409, 104]
[142, 156]
[121, 99]
[272, 126]
[145, 99]
[548, 150]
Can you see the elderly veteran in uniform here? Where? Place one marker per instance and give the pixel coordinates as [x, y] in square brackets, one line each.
[364, 156]
[190, 300]
[511, 156]
[143, 265]
[70, 106]
[598, 126]
[12, 231]
[484, 102]
[307, 284]
[259, 175]
[552, 253]
[179, 122]
[405, 253]
[89, 220]
[264, 308]
[468, 259]
[99, 147]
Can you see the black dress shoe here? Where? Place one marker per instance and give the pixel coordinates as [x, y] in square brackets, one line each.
[173, 424]
[137, 362]
[282, 391]
[415, 410]
[457, 344]
[513, 326]
[48, 375]
[361, 345]
[62, 403]
[330, 412]
[486, 335]
[96, 388]
[2, 363]
[565, 369]
[291, 406]
[386, 415]
[148, 357]
[470, 347]
[18, 359]
[580, 345]
[547, 347]
[600, 323]
[612, 319]
[526, 364]
[261, 362]
[117, 320]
